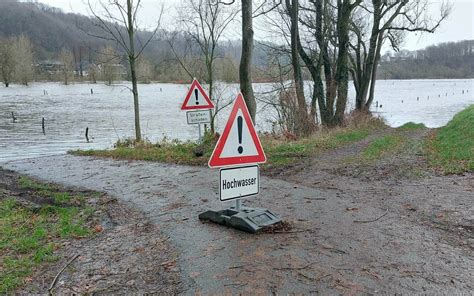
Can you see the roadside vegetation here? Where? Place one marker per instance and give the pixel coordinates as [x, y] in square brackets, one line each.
[35, 220]
[409, 126]
[451, 148]
[280, 150]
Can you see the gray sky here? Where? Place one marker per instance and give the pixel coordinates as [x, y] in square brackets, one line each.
[459, 26]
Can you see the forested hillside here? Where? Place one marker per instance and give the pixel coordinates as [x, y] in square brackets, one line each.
[48, 28]
[52, 31]
[446, 60]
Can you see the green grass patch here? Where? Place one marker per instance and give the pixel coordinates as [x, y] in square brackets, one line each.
[451, 147]
[382, 146]
[28, 238]
[279, 151]
[165, 151]
[282, 152]
[27, 183]
[409, 126]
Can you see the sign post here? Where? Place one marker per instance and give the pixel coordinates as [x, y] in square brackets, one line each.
[198, 106]
[238, 153]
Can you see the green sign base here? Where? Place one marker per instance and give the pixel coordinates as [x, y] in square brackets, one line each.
[247, 219]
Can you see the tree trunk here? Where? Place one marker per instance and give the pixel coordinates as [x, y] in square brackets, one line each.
[367, 69]
[373, 78]
[302, 122]
[326, 106]
[246, 58]
[132, 62]
[211, 87]
[318, 89]
[342, 73]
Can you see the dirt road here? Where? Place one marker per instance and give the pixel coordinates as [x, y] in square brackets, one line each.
[355, 230]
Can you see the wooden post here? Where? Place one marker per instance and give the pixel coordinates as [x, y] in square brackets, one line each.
[42, 126]
[87, 134]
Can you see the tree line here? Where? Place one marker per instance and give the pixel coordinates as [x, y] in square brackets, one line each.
[16, 60]
[442, 61]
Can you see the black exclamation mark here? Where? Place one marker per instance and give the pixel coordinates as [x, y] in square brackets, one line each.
[196, 95]
[239, 128]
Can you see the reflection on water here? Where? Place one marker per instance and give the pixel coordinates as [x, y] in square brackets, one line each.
[108, 113]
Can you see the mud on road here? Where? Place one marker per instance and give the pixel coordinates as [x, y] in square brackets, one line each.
[356, 229]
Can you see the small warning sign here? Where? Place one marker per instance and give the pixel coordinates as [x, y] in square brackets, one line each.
[239, 143]
[196, 98]
[198, 116]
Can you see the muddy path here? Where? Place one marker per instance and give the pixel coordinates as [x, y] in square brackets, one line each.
[350, 234]
[126, 254]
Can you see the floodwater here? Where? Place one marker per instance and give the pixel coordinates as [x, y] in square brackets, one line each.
[108, 112]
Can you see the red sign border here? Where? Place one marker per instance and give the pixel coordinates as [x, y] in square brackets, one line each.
[197, 85]
[216, 161]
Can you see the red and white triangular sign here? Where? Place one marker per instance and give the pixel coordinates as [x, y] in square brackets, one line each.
[196, 98]
[239, 142]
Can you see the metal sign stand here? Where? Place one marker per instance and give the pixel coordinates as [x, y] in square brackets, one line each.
[199, 128]
[238, 204]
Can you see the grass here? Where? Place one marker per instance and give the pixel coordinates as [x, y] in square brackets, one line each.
[29, 238]
[27, 183]
[164, 151]
[382, 146]
[279, 151]
[409, 126]
[282, 152]
[451, 148]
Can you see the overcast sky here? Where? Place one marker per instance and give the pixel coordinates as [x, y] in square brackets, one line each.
[459, 26]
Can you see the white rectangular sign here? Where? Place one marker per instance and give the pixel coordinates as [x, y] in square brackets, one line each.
[239, 182]
[200, 116]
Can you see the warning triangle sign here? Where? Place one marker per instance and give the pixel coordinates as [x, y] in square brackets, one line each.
[196, 98]
[239, 142]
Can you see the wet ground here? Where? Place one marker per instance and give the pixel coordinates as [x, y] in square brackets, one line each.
[356, 228]
[126, 254]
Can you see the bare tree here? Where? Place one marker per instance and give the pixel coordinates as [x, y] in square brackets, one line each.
[93, 72]
[66, 59]
[324, 45]
[24, 70]
[119, 24]
[388, 20]
[228, 69]
[245, 69]
[144, 70]
[109, 64]
[205, 22]
[7, 60]
[303, 123]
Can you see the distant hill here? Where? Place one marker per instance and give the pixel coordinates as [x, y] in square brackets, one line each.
[49, 28]
[445, 60]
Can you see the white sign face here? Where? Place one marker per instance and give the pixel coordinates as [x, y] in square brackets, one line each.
[200, 116]
[239, 142]
[239, 182]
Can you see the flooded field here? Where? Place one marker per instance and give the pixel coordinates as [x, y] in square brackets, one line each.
[108, 112]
